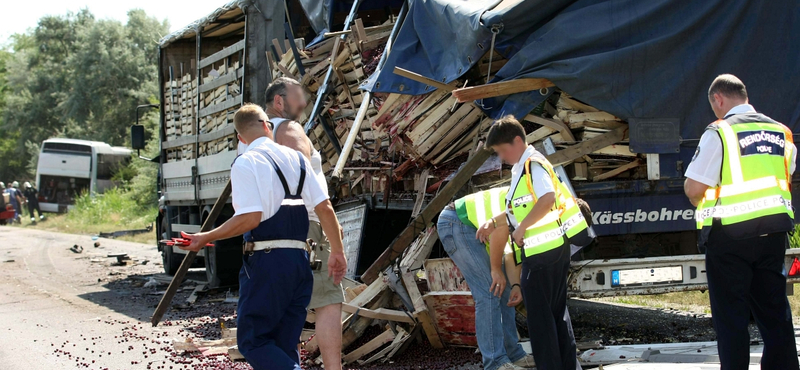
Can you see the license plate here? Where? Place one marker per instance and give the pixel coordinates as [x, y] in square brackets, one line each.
[647, 276]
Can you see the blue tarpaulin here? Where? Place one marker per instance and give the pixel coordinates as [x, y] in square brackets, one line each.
[634, 59]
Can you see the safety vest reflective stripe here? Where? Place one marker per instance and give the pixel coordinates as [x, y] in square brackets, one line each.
[480, 211]
[572, 221]
[742, 208]
[746, 187]
[537, 241]
[734, 160]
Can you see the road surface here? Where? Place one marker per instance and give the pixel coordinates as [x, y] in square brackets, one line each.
[66, 310]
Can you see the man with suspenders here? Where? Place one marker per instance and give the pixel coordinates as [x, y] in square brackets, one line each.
[272, 188]
[285, 103]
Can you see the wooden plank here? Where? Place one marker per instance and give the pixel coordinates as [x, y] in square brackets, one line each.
[404, 239]
[224, 80]
[368, 29]
[454, 316]
[618, 170]
[607, 125]
[379, 314]
[193, 297]
[422, 110]
[209, 60]
[539, 134]
[581, 171]
[454, 133]
[230, 103]
[551, 123]
[433, 135]
[501, 88]
[593, 116]
[234, 354]
[653, 166]
[354, 330]
[421, 310]
[619, 150]
[372, 291]
[385, 337]
[420, 78]
[420, 186]
[566, 102]
[576, 151]
[426, 127]
[398, 340]
[420, 250]
[443, 275]
[359, 29]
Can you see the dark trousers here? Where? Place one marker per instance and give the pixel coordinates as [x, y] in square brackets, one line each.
[746, 276]
[34, 206]
[274, 290]
[544, 290]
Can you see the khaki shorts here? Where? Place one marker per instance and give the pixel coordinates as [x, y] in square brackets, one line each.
[325, 291]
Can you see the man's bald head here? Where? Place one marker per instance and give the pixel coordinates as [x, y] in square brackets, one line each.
[251, 122]
[726, 92]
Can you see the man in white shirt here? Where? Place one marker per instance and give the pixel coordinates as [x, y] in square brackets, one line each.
[742, 227]
[285, 102]
[272, 188]
[544, 274]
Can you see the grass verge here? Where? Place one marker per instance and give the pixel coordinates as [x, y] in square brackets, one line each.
[114, 210]
[694, 301]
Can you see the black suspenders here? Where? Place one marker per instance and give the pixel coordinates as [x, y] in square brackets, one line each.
[281, 177]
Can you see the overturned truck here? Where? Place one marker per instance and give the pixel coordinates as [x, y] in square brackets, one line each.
[614, 93]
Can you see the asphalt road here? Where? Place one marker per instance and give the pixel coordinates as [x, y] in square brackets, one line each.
[64, 310]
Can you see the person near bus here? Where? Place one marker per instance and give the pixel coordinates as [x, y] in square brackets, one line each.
[285, 102]
[15, 198]
[32, 195]
[542, 217]
[740, 179]
[272, 188]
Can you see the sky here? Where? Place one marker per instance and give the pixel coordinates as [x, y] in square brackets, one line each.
[18, 15]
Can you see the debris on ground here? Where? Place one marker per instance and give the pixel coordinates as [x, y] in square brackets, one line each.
[76, 249]
[115, 234]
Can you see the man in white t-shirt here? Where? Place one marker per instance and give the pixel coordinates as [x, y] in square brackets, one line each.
[273, 188]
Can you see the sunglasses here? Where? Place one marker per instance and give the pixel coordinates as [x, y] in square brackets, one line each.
[268, 123]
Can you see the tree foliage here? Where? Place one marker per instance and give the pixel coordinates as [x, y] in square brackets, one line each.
[77, 77]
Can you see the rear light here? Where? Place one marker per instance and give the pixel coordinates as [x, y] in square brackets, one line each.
[795, 270]
[42, 198]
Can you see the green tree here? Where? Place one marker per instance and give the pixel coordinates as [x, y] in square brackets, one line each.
[77, 77]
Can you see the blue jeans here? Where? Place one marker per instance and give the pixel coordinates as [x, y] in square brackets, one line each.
[495, 327]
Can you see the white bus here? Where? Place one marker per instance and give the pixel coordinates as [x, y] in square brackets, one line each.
[67, 168]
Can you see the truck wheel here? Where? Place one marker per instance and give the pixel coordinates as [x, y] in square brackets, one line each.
[223, 262]
[172, 261]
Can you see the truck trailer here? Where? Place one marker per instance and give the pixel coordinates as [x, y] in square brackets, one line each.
[403, 93]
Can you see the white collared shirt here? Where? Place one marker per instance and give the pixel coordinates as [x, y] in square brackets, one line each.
[706, 166]
[256, 186]
[542, 183]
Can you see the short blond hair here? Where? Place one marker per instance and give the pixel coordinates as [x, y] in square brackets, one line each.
[247, 117]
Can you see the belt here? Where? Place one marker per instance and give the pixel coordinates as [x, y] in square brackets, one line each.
[274, 244]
